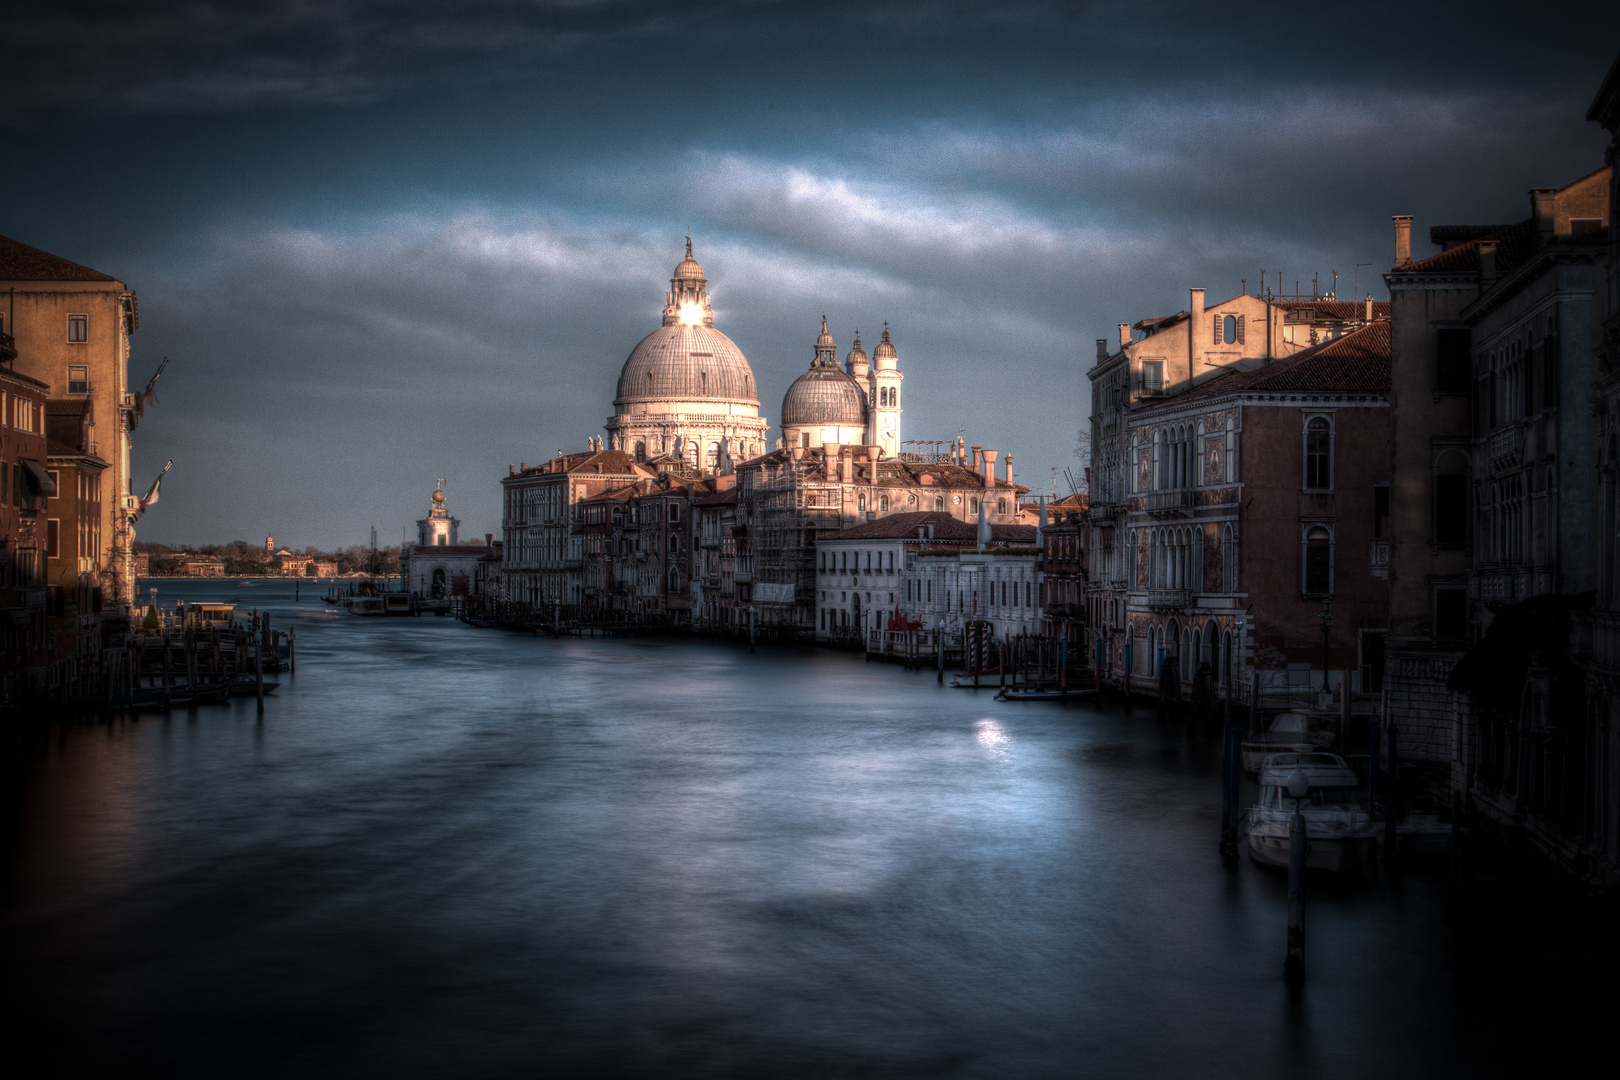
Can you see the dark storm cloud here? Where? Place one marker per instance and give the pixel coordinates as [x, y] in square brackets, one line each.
[390, 242]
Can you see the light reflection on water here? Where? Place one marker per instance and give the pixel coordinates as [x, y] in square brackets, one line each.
[449, 851]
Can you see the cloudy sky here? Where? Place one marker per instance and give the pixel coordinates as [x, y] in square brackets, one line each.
[383, 242]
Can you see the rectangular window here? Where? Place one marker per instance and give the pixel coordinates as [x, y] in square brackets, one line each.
[1153, 376]
[1451, 510]
[1318, 454]
[1451, 358]
[78, 328]
[1380, 511]
[53, 538]
[1451, 614]
[78, 379]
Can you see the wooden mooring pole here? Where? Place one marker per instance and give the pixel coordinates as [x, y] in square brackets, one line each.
[1298, 845]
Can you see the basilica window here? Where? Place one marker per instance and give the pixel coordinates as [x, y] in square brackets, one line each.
[883, 502]
[939, 502]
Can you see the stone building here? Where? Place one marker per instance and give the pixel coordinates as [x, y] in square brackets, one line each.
[1601, 627]
[636, 550]
[1493, 343]
[25, 489]
[438, 565]
[686, 390]
[72, 327]
[1173, 354]
[856, 403]
[1064, 541]
[73, 534]
[541, 551]
[1282, 461]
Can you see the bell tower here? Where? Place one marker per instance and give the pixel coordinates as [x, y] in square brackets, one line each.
[886, 378]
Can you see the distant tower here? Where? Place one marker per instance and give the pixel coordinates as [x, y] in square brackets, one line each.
[269, 545]
[438, 529]
[886, 397]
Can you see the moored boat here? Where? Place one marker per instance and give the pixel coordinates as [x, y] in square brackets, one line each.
[1326, 792]
[1045, 694]
[1287, 732]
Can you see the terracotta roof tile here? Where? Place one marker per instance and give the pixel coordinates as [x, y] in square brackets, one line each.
[19, 262]
[947, 530]
[1358, 362]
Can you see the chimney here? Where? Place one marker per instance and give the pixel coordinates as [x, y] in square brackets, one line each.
[871, 464]
[846, 466]
[1102, 348]
[1195, 332]
[511, 470]
[978, 456]
[988, 468]
[1487, 263]
[489, 539]
[1124, 334]
[1368, 316]
[930, 527]
[1009, 469]
[1403, 238]
[523, 467]
[1543, 205]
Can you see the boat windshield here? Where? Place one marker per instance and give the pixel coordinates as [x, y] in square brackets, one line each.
[1273, 797]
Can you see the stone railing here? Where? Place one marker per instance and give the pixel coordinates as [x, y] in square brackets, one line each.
[1169, 599]
[1507, 447]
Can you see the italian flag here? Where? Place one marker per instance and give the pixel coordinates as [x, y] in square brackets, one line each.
[151, 495]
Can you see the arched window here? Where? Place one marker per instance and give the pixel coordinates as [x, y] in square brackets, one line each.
[1228, 560]
[674, 580]
[1318, 454]
[674, 545]
[939, 502]
[860, 503]
[1133, 482]
[1158, 463]
[1200, 457]
[1231, 448]
[1318, 575]
[883, 502]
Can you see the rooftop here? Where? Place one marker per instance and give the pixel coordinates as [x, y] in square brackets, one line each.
[19, 262]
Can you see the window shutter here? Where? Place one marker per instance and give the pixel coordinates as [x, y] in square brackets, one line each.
[1215, 329]
[1240, 329]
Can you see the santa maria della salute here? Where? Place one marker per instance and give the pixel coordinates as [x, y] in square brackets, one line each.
[687, 393]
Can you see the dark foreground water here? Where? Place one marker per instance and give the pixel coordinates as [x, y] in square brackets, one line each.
[464, 853]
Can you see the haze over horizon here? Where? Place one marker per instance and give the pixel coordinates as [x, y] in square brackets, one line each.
[385, 243]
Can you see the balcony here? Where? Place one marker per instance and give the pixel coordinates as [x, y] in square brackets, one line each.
[1169, 599]
[1104, 511]
[709, 541]
[1169, 503]
[1507, 448]
[1378, 559]
[1497, 586]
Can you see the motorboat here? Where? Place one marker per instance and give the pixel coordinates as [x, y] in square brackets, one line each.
[364, 605]
[247, 682]
[1287, 732]
[1045, 694]
[397, 604]
[1327, 793]
[1421, 832]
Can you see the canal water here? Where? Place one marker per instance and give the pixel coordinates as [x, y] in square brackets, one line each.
[447, 851]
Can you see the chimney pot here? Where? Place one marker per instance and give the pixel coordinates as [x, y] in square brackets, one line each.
[1124, 333]
[1543, 206]
[1369, 307]
[988, 467]
[1009, 469]
[1403, 238]
[1102, 348]
[1487, 262]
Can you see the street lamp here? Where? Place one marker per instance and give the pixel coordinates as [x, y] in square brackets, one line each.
[1326, 615]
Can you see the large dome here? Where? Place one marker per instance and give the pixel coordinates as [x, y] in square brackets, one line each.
[824, 395]
[684, 362]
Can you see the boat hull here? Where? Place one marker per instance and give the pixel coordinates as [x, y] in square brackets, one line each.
[1334, 854]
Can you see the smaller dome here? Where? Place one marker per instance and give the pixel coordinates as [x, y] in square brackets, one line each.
[885, 348]
[857, 355]
[826, 396]
[689, 270]
[825, 341]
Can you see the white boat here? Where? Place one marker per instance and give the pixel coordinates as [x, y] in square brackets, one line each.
[1335, 822]
[1045, 694]
[1288, 731]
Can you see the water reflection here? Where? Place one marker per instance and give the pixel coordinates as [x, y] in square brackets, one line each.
[448, 851]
